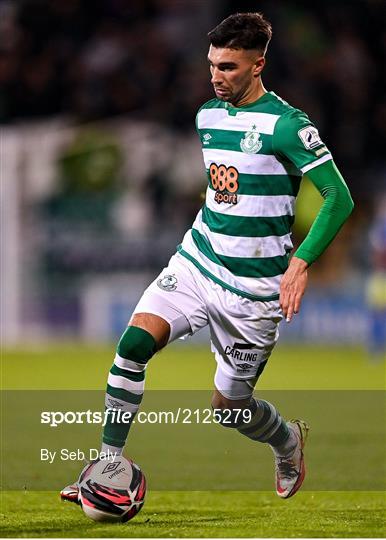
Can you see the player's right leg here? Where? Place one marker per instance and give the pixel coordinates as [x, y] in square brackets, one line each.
[171, 307]
[146, 334]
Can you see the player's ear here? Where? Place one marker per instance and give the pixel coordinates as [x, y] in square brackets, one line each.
[258, 66]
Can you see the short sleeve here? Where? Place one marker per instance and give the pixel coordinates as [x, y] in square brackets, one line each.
[296, 139]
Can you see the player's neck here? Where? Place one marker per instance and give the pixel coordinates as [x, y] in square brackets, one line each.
[251, 96]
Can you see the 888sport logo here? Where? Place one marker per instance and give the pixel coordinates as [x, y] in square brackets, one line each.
[225, 182]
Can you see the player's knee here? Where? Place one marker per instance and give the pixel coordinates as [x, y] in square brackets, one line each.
[136, 344]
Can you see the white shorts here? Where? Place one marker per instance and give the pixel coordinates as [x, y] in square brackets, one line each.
[243, 332]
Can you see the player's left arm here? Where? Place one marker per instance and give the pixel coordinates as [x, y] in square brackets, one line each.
[299, 141]
[335, 210]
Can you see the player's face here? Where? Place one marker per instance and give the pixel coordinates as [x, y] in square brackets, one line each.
[235, 73]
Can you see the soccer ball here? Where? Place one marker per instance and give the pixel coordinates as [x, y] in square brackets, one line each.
[112, 490]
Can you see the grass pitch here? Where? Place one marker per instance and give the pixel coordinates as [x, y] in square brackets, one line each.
[198, 513]
[204, 515]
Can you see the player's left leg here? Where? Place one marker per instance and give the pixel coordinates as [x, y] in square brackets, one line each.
[264, 424]
[243, 335]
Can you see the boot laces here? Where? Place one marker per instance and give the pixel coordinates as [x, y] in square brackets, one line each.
[286, 467]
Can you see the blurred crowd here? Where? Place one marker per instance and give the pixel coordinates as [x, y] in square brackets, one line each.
[101, 58]
[146, 59]
[126, 78]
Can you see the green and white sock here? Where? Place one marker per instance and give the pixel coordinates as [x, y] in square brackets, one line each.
[110, 449]
[266, 425]
[125, 384]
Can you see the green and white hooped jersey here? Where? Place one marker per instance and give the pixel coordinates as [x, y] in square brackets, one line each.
[255, 157]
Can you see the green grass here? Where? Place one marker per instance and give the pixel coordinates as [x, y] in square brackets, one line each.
[211, 513]
[181, 367]
[205, 514]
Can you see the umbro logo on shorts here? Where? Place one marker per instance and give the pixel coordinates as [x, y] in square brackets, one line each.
[244, 367]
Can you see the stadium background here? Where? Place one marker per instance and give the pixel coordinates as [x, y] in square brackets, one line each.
[101, 174]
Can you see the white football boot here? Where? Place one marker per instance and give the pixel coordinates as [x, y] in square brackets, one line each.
[290, 471]
[70, 493]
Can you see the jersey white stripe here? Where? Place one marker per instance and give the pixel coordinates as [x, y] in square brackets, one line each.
[245, 246]
[242, 121]
[319, 161]
[248, 163]
[255, 286]
[253, 205]
[136, 387]
[129, 365]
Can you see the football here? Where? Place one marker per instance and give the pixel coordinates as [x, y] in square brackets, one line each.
[112, 490]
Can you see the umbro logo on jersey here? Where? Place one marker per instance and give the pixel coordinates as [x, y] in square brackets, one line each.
[206, 138]
[251, 143]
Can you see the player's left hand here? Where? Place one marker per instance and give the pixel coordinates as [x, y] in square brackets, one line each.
[292, 287]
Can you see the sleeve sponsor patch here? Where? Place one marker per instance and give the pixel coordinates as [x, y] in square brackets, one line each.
[310, 137]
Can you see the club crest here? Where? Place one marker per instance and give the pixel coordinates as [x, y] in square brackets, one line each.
[167, 283]
[251, 143]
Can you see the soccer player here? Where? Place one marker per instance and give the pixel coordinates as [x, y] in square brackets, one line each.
[232, 270]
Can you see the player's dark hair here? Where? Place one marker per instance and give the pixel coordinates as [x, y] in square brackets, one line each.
[242, 31]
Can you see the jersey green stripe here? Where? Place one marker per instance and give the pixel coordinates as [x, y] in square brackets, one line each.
[214, 278]
[246, 226]
[239, 266]
[266, 184]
